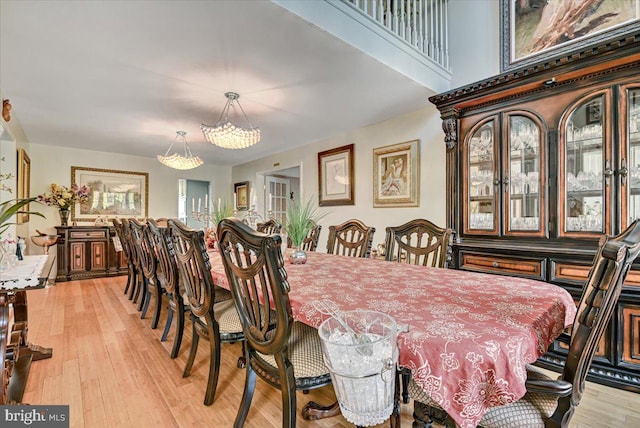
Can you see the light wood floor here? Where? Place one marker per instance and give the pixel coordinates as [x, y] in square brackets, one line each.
[113, 371]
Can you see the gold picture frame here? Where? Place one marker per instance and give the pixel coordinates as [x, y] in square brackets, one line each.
[336, 177]
[396, 175]
[241, 195]
[537, 28]
[24, 184]
[112, 193]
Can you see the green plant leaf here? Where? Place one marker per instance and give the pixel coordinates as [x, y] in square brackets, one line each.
[12, 207]
[301, 218]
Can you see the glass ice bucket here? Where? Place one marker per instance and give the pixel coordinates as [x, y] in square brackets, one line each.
[361, 352]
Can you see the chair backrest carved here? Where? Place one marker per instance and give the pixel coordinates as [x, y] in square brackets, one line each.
[418, 242]
[117, 225]
[599, 297]
[133, 252]
[310, 243]
[194, 267]
[145, 253]
[269, 227]
[258, 281]
[160, 237]
[352, 238]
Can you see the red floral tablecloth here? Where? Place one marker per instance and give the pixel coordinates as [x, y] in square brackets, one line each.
[470, 334]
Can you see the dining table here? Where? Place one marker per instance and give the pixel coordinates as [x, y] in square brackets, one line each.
[468, 336]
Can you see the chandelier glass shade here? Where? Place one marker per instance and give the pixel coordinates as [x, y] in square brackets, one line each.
[178, 161]
[227, 135]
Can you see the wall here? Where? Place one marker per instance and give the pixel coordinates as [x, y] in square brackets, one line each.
[50, 164]
[474, 40]
[423, 124]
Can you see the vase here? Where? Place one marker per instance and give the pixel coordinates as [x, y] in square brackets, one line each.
[64, 216]
[298, 257]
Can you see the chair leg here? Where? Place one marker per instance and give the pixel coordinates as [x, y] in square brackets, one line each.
[406, 377]
[156, 313]
[247, 396]
[129, 279]
[421, 417]
[214, 365]
[134, 284]
[167, 325]
[145, 304]
[289, 405]
[177, 342]
[143, 292]
[192, 352]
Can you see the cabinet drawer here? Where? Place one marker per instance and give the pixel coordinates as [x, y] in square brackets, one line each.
[578, 274]
[532, 268]
[630, 331]
[88, 234]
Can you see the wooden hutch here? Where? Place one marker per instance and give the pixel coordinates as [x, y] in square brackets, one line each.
[541, 161]
[88, 252]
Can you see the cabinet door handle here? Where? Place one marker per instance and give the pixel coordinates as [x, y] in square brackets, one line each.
[495, 264]
[607, 173]
[505, 182]
[623, 172]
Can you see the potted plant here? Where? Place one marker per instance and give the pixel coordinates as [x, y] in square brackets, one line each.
[223, 210]
[64, 198]
[301, 218]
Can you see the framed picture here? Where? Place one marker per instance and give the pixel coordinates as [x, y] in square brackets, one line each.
[335, 176]
[396, 175]
[112, 193]
[241, 195]
[533, 28]
[24, 184]
[594, 112]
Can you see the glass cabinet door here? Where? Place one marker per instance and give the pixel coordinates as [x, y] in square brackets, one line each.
[632, 138]
[584, 156]
[523, 184]
[482, 179]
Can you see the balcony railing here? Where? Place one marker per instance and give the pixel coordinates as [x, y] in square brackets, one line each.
[420, 23]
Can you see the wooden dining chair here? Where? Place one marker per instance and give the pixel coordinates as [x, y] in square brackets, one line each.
[169, 279]
[138, 277]
[285, 353]
[552, 402]
[269, 227]
[117, 225]
[148, 265]
[418, 242]
[352, 238]
[215, 321]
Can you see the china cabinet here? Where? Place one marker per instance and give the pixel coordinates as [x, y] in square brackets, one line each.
[541, 162]
[88, 252]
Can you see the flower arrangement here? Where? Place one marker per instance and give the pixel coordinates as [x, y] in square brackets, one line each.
[301, 218]
[63, 197]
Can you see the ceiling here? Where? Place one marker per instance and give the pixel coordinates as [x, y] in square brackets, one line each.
[123, 77]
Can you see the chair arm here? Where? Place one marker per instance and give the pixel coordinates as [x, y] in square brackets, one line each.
[559, 388]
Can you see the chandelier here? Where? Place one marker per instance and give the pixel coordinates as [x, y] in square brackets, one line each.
[178, 161]
[227, 135]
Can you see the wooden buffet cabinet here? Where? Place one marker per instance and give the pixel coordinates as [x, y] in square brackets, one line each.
[541, 161]
[88, 252]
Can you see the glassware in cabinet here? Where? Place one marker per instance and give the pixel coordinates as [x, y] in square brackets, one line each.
[481, 178]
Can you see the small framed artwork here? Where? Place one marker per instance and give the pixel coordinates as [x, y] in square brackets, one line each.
[241, 195]
[112, 193]
[336, 176]
[24, 184]
[594, 112]
[396, 175]
[536, 28]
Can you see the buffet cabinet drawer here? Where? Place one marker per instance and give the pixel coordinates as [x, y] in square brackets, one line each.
[93, 234]
[531, 268]
[577, 274]
[629, 315]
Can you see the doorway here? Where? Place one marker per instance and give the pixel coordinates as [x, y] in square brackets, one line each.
[281, 187]
[193, 195]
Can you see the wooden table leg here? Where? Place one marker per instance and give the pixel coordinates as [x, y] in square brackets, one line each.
[312, 411]
[21, 324]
